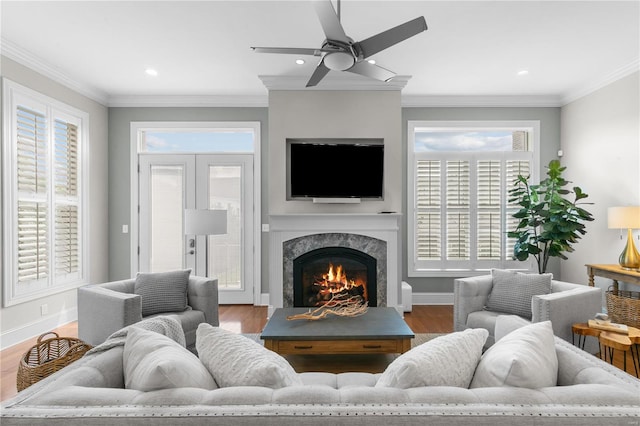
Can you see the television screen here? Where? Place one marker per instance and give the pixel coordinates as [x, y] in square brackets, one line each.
[345, 168]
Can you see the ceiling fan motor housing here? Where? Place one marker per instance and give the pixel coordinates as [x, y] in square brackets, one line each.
[344, 57]
[339, 61]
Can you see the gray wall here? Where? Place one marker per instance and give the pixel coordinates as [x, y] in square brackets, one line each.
[549, 144]
[334, 114]
[119, 170]
[119, 163]
[26, 316]
[601, 141]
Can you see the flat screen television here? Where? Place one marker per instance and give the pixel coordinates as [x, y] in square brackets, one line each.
[335, 168]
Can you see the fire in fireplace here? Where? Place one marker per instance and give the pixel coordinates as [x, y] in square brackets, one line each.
[324, 273]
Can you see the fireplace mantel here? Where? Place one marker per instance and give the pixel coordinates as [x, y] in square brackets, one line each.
[284, 227]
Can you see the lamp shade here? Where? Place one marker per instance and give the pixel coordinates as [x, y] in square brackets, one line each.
[205, 222]
[624, 217]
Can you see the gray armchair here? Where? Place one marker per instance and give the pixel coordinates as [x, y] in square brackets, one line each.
[106, 308]
[565, 305]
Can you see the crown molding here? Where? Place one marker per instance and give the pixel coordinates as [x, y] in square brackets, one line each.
[455, 101]
[330, 82]
[604, 81]
[188, 101]
[333, 82]
[31, 61]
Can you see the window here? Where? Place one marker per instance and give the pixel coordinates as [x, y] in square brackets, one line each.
[43, 200]
[458, 179]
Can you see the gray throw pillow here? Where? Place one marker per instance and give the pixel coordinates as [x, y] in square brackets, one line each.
[512, 291]
[162, 291]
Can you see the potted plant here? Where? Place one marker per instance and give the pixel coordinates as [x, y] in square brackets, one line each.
[550, 222]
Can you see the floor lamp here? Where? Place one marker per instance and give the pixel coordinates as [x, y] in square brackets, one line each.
[204, 222]
[629, 218]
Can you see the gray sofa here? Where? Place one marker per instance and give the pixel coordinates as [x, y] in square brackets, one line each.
[566, 305]
[91, 392]
[106, 308]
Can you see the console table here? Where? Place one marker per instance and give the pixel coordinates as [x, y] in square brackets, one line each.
[614, 272]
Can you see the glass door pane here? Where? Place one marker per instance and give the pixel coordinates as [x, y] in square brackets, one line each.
[166, 210]
[225, 251]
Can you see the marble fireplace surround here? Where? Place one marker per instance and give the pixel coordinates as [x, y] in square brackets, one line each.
[296, 247]
[375, 234]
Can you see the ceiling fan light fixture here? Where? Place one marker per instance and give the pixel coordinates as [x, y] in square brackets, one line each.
[339, 61]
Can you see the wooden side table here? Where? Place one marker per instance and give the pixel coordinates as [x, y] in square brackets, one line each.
[582, 330]
[614, 272]
[611, 342]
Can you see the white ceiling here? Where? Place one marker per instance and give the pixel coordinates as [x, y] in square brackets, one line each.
[472, 49]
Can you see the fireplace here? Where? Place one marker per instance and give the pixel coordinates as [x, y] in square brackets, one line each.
[293, 235]
[327, 272]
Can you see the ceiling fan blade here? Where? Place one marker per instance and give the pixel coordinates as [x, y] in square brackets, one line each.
[329, 20]
[318, 74]
[378, 42]
[289, 50]
[371, 71]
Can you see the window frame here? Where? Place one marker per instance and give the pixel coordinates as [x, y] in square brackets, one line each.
[15, 293]
[475, 267]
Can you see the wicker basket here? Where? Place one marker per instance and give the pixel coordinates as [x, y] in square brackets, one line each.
[623, 307]
[48, 356]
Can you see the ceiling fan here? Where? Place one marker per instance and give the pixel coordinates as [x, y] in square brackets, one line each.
[340, 53]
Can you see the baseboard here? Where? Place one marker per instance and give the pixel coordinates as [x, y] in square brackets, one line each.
[36, 328]
[432, 298]
[264, 299]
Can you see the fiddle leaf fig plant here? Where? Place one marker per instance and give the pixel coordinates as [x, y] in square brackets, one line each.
[551, 219]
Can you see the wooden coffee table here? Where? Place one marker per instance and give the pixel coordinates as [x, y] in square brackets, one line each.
[378, 331]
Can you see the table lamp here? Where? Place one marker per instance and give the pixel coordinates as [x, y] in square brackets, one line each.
[629, 218]
[204, 222]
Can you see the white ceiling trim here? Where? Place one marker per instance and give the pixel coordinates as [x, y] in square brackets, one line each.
[605, 81]
[189, 101]
[333, 82]
[23, 57]
[445, 101]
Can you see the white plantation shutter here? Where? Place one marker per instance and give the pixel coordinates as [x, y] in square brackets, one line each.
[428, 215]
[66, 158]
[66, 191]
[458, 210]
[33, 247]
[489, 207]
[513, 169]
[460, 205]
[32, 179]
[42, 196]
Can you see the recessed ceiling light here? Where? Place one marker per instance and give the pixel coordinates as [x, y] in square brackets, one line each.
[151, 72]
[300, 61]
[523, 72]
[372, 61]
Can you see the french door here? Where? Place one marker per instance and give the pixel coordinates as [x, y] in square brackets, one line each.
[171, 183]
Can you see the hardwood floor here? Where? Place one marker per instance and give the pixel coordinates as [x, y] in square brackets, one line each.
[245, 319]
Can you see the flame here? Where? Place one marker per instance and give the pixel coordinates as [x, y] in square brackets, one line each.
[335, 281]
